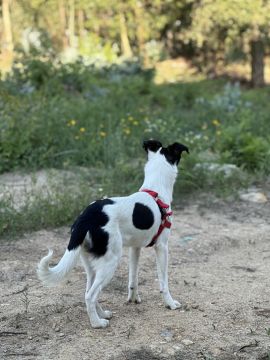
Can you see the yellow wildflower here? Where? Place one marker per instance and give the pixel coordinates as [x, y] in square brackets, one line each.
[72, 122]
[102, 133]
[218, 133]
[135, 123]
[216, 122]
[127, 131]
[82, 129]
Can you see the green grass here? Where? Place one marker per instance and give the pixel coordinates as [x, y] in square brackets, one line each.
[79, 116]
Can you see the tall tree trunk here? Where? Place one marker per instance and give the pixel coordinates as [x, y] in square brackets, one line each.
[7, 46]
[71, 24]
[63, 23]
[125, 45]
[220, 55]
[257, 62]
[169, 41]
[80, 16]
[140, 33]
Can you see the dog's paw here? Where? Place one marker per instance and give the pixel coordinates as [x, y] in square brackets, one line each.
[173, 305]
[133, 296]
[102, 323]
[134, 299]
[104, 314]
[107, 314]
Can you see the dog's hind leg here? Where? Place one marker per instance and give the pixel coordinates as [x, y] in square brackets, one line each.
[105, 314]
[161, 250]
[134, 254]
[88, 269]
[105, 268]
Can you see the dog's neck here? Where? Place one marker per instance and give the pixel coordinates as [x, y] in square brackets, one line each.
[160, 177]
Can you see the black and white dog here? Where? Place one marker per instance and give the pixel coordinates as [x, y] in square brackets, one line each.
[138, 220]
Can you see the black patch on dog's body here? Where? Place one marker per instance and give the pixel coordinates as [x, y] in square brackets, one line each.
[142, 217]
[92, 219]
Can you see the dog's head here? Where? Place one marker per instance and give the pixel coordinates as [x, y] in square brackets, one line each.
[171, 153]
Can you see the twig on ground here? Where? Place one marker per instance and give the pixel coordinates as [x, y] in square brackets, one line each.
[21, 354]
[9, 333]
[252, 344]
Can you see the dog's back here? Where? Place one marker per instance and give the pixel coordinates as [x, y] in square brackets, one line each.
[136, 216]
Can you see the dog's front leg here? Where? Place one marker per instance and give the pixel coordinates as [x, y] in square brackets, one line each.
[134, 254]
[162, 267]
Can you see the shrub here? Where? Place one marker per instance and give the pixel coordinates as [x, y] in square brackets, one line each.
[244, 149]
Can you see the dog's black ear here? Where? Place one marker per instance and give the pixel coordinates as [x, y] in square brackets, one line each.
[178, 148]
[173, 152]
[152, 145]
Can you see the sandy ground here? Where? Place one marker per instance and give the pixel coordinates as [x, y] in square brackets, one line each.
[219, 269]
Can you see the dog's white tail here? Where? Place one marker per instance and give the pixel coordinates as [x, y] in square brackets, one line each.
[50, 276]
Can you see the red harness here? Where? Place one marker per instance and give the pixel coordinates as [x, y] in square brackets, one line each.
[165, 223]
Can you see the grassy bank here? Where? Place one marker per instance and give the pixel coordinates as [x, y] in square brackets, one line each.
[70, 116]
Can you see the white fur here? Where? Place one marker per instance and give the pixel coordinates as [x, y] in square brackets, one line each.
[51, 276]
[159, 177]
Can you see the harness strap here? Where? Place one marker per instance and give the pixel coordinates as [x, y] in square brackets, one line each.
[165, 223]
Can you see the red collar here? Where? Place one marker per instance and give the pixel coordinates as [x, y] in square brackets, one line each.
[165, 223]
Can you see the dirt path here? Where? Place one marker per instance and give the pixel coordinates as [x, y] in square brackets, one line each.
[219, 270]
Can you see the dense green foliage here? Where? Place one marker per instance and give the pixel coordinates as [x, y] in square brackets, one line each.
[66, 115]
[229, 22]
[209, 33]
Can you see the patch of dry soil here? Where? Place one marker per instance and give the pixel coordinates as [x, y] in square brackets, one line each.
[219, 269]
